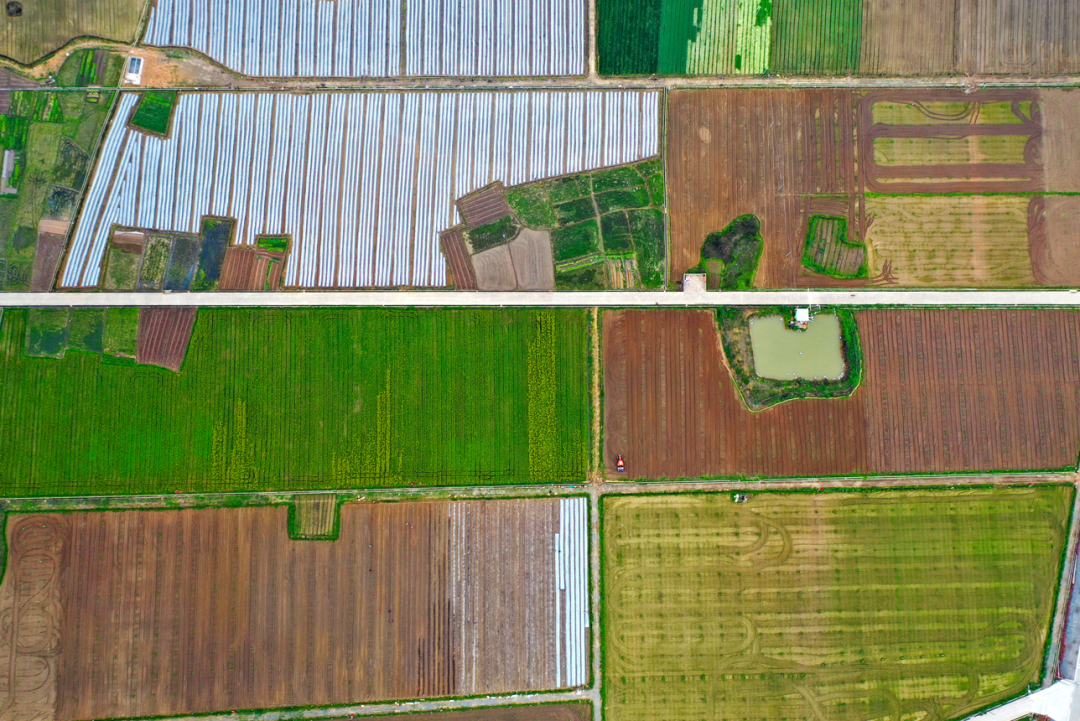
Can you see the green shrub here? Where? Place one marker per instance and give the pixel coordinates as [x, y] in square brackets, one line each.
[575, 211]
[738, 247]
[532, 206]
[615, 231]
[617, 178]
[622, 200]
[567, 188]
[492, 234]
[647, 231]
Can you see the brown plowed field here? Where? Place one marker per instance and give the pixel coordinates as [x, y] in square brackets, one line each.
[457, 260]
[943, 390]
[244, 269]
[50, 247]
[732, 152]
[895, 43]
[544, 712]
[1060, 114]
[192, 611]
[170, 612]
[484, 206]
[30, 639]
[164, 334]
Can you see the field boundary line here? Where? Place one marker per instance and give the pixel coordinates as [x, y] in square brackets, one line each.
[564, 299]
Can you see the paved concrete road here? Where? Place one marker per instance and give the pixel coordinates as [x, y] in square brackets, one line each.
[616, 299]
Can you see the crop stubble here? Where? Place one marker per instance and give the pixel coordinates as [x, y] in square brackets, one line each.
[190, 611]
[942, 391]
[843, 606]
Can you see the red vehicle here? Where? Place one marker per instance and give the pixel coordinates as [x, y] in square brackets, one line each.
[620, 464]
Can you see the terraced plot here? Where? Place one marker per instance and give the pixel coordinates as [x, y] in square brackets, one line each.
[839, 606]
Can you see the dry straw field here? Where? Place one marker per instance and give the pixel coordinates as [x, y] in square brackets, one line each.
[842, 606]
[147, 613]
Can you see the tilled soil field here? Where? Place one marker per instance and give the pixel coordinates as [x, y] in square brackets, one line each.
[541, 712]
[181, 612]
[164, 335]
[943, 390]
[755, 151]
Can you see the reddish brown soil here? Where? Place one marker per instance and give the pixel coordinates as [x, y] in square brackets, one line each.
[545, 712]
[732, 152]
[970, 177]
[50, 247]
[1054, 240]
[244, 269]
[164, 334]
[943, 390]
[484, 206]
[457, 259]
[170, 612]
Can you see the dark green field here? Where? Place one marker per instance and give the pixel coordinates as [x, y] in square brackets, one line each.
[154, 111]
[299, 399]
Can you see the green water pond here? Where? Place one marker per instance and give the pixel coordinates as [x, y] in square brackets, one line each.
[783, 353]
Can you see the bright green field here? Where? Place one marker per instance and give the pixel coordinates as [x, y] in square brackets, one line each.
[295, 399]
[917, 605]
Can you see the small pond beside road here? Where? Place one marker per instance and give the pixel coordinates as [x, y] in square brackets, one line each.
[783, 353]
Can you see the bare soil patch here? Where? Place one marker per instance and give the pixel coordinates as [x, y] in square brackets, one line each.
[895, 43]
[1054, 234]
[30, 633]
[484, 206]
[50, 248]
[1059, 111]
[543, 712]
[495, 269]
[532, 258]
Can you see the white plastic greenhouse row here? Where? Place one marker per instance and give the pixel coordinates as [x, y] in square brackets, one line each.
[363, 182]
[572, 577]
[364, 38]
[495, 37]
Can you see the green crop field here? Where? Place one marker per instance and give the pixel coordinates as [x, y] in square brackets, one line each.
[154, 111]
[847, 606]
[816, 37]
[299, 399]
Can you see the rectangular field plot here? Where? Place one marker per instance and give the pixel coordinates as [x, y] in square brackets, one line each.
[304, 399]
[941, 391]
[839, 606]
[941, 197]
[363, 182]
[380, 38]
[147, 613]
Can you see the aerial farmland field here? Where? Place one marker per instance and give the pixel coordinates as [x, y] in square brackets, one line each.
[46, 25]
[837, 37]
[378, 220]
[354, 38]
[428, 598]
[922, 604]
[941, 391]
[303, 399]
[895, 173]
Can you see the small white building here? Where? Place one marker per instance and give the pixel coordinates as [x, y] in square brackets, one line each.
[802, 315]
[133, 76]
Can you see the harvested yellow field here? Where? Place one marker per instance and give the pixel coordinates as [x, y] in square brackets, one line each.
[906, 605]
[893, 151]
[951, 241]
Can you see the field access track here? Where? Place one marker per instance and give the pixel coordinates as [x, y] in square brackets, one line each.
[192, 611]
[942, 391]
